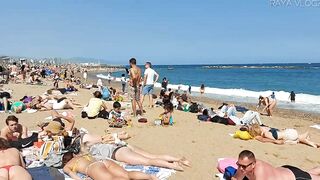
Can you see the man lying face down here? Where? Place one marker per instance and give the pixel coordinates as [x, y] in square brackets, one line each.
[251, 168]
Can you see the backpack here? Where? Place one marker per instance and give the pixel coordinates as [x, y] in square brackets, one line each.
[75, 147]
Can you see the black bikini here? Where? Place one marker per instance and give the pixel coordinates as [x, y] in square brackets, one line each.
[298, 173]
[274, 133]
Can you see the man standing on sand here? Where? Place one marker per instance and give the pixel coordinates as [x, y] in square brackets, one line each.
[250, 168]
[134, 89]
[150, 78]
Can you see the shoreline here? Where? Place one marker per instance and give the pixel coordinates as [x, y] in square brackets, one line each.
[200, 142]
[215, 103]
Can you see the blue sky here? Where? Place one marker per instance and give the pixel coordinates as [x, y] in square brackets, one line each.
[161, 31]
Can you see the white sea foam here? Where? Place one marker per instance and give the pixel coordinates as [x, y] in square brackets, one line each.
[305, 102]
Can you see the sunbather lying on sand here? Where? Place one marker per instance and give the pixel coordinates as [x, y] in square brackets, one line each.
[120, 151]
[276, 136]
[12, 165]
[252, 168]
[97, 169]
[58, 104]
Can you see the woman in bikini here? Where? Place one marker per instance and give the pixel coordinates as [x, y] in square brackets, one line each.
[276, 136]
[269, 103]
[97, 169]
[111, 147]
[11, 163]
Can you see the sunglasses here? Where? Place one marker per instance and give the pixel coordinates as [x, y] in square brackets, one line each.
[244, 167]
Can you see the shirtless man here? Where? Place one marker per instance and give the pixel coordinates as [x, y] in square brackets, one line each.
[253, 169]
[13, 131]
[134, 89]
[12, 165]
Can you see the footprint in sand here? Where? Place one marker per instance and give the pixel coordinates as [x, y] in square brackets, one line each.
[278, 156]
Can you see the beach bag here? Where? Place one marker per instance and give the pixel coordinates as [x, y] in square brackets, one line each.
[75, 147]
[203, 117]
[229, 172]
[244, 135]
[56, 145]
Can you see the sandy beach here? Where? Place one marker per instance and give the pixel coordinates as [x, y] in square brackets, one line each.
[200, 142]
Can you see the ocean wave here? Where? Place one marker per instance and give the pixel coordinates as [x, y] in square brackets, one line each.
[280, 95]
[253, 67]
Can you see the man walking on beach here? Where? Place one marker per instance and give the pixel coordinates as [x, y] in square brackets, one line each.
[150, 78]
[134, 83]
[251, 168]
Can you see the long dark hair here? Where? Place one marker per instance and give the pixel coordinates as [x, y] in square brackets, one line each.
[4, 144]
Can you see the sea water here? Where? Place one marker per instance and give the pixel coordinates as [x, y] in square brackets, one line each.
[246, 82]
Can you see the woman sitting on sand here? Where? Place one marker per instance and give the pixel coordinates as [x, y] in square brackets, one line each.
[269, 103]
[276, 136]
[96, 107]
[86, 164]
[12, 165]
[166, 117]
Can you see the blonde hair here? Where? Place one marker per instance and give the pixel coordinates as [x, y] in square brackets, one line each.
[255, 130]
[84, 148]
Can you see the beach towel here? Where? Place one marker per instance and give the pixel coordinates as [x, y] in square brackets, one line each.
[52, 146]
[160, 173]
[317, 126]
[223, 164]
[47, 173]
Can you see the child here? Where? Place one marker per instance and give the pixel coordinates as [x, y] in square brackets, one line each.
[117, 97]
[116, 116]
[166, 116]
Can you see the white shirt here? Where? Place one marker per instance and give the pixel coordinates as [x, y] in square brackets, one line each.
[123, 79]
[150, 73]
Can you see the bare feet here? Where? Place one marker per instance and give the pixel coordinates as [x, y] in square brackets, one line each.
[177, 166]
[185, 162]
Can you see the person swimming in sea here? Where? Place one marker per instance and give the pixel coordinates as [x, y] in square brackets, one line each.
[202, 89]
[292, 96]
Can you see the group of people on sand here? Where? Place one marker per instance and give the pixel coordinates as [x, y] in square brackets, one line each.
[89, 154]
[94, 155]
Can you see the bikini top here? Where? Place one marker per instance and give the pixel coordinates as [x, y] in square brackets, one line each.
[75, 165]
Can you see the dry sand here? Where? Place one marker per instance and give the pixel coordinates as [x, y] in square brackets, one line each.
[202, 143]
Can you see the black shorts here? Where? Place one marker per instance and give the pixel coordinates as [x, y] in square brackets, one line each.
[298, 173]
